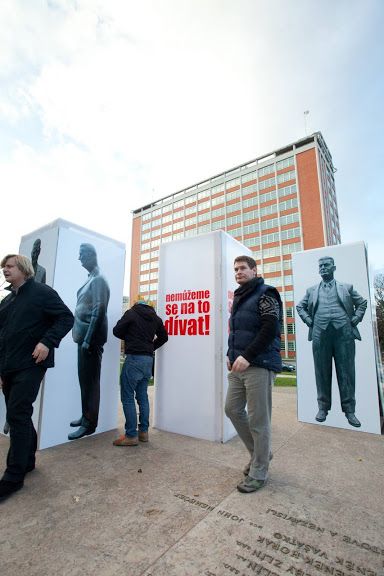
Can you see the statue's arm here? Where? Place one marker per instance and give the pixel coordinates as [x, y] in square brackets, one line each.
[100, 297]
[302, 310]
[360, 306]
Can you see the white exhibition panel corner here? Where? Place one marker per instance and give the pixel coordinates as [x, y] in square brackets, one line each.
[351, 267]
[59, 399]
[196, 284]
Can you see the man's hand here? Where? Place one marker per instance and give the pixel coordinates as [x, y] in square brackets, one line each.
[40, 352]
[85, 346]
[240, 364]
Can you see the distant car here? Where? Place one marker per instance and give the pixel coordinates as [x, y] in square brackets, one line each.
[289, 367]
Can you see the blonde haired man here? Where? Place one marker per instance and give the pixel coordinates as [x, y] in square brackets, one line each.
[33, 321]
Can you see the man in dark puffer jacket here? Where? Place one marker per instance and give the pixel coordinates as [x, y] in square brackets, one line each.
[143, 332]
[253, 359]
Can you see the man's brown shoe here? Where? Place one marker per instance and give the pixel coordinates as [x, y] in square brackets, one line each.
[126, 441]
[143, 436]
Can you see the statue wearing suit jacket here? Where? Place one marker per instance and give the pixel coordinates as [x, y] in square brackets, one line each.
[90, 333]
[332, 311]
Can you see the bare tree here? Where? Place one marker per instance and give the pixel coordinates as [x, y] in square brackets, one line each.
[379, 297]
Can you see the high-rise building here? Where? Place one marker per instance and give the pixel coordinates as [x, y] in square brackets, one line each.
[277, 204]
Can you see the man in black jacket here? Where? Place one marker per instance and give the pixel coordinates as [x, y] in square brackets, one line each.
[253, 359]
[143, 332]
[33, 321]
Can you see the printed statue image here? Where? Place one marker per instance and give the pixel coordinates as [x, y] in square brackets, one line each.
[40, 273]
[332, 311]
[90, 334]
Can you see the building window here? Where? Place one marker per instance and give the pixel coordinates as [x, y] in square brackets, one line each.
[250, 202]
[235, 232]
[252, 215]
[290, 248]
[219, 188]
[281, 164]
[271, 252]
[291, 346]
[219, 224]
[203, 194]
[267, 183]
[267, 210]
[290, 233]
[290, 328]
[204, 217]
[270, 223]
[204, 205]
[232, 183]
[252, 228]
[267, 196]
[287, 204]
[268, 238]
[287, 190]
[218, 200]
[289, 219]
[266, 170]
[286, 176]
[233, 207]
[248, 177]
[234, 220]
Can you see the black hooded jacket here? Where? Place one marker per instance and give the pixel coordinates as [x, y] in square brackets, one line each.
[141, 329]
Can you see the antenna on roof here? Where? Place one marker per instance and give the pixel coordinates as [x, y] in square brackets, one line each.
[306, 114]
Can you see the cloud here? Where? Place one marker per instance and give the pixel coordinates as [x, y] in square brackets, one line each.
[106, 106]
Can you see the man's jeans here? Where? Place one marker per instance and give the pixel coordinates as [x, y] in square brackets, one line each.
[253, 388]
[135, 375]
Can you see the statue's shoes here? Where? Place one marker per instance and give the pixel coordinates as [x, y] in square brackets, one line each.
[352, 419]
[321, 416]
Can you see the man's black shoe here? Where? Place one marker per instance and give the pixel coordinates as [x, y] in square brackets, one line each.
[321, 416]
[352, 419]
[76, 423]
[82, 431]
[30, 468]
[8, 488]
[6, 428]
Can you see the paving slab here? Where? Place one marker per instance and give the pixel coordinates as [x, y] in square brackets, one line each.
[170, 507]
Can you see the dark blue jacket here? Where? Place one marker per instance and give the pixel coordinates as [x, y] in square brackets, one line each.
[245, 323]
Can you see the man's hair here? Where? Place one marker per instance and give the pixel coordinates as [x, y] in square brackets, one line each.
[22, 262]
[89, 248]
[250, 261]
[327, 258]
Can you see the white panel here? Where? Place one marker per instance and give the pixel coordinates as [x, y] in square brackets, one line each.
[351, 268]
[191, 375]
[59, 399]
[62, 401]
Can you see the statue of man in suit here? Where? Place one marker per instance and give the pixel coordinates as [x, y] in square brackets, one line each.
[332, 311]
[40, 273]
[90, 333]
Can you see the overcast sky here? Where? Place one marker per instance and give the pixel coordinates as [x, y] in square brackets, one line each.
[106, 105]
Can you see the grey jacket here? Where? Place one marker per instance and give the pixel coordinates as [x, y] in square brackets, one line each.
[353, 304]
